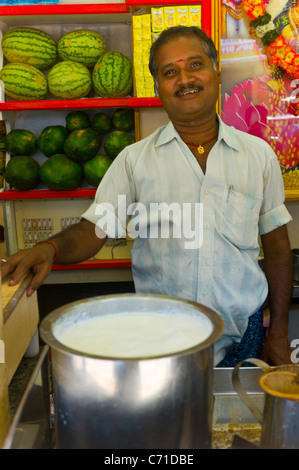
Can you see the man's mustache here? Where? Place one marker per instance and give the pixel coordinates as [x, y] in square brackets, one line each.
[183, 89]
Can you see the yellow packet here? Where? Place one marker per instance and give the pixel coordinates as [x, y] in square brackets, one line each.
[136, 21]
[146, 20]
[146, 71]
[140, 90]
[138, 70]
[146, 34]
[182, 15]
[148, 82]
[137, 34]
[158, 23]
[170, 17]
[195, 15]
[137, 58]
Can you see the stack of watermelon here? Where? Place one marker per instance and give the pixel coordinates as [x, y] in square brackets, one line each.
[71, 151]
[84, 64]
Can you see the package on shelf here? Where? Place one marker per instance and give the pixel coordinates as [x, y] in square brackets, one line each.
[142, 39]
[195, 15]
[158, 19]
[170, 17]
[184, 15]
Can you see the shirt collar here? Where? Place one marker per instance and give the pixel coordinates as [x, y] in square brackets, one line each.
[225, 132]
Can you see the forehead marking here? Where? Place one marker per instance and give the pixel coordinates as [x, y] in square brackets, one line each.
[179, 60]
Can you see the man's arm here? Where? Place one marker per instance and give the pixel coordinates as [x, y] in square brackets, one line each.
[278, 270]
[76, 243]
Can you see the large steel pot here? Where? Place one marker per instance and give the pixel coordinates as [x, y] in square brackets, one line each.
[163, 402]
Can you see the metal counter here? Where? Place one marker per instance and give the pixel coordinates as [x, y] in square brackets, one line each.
[33, 423]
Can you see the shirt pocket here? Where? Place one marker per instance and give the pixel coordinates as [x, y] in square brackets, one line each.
[239, 218]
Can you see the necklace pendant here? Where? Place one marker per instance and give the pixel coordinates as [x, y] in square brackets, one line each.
[200, 149]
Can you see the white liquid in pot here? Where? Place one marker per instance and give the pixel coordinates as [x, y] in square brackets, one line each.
[129, 335]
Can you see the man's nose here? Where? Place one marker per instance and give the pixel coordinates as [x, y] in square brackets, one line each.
[185, 76]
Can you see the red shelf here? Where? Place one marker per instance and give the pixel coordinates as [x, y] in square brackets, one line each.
[87, 103]
[29, 10]
[47, 194]
[95, 264]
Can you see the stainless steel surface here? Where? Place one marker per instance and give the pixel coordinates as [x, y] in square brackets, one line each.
[31, 424]
[228, 407]
[295, 254]
[162, 402]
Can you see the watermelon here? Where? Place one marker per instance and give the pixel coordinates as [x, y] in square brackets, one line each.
[52, 139]
[82, 144]
[112, 75]
[116, 142]
[22, 172]
[123, 119]
[23, 82]
[95, 168]
[83, 46]
[102, 123]
[69, 80]
[77, 120]
[20, 142]
[59, 172]
[30, 46]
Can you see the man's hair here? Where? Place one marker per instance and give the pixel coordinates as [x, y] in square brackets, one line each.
[179, 31]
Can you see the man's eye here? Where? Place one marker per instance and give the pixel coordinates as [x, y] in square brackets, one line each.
[169, 72]
[195, 64]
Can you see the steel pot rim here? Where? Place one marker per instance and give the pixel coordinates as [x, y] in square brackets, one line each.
[47, 324]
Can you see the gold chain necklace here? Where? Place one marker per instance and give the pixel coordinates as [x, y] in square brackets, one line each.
[200, 148]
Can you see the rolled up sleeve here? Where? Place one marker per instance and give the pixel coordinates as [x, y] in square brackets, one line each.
[273, 212]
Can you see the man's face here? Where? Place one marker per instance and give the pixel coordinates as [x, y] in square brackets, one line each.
[187, 82]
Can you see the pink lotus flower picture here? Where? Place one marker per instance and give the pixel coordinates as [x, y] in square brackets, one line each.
[262, 107]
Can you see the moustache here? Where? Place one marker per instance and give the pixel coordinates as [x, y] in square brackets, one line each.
[185, 89]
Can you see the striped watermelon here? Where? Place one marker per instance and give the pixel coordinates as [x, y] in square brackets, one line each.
[29, 46]
[83, 46]
[23, 82]
[112, 75]
[69, 80]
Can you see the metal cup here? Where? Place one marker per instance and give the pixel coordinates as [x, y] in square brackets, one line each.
[280, 416]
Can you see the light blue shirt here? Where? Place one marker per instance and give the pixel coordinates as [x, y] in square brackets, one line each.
[241, 196]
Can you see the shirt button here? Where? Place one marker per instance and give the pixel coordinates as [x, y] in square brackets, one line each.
[207, 191]
[207, 225]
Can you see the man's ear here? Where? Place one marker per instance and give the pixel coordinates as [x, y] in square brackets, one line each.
[218, 73]
[156, 87]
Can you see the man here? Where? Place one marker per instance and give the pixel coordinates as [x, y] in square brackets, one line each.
[198, 162]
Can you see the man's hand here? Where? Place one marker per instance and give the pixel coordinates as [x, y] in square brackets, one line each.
[76, 243]
[39, 259]
[277, 351]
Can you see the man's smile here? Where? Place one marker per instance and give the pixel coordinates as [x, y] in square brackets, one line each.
[184, 91]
